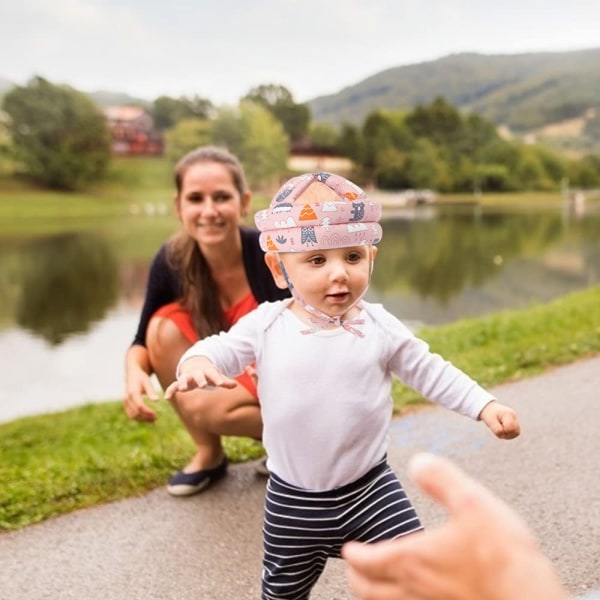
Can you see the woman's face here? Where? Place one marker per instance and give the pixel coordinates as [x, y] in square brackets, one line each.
[209, 206]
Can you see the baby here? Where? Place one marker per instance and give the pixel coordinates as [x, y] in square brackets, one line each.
[325, 360]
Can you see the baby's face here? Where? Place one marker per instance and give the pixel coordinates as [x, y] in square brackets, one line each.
[330, 280]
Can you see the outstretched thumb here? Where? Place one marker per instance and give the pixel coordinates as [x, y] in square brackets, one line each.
[446, 483]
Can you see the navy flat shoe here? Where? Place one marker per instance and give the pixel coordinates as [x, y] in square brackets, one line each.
[187, 484]
[261, 468]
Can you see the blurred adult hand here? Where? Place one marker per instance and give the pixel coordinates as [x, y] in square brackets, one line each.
[483, 551]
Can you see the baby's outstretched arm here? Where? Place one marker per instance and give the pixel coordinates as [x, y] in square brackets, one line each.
[198, 372]
[501, 419]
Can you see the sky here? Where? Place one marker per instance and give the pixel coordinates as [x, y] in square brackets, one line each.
[221, 49]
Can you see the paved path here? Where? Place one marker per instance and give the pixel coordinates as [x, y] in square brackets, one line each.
[209, 546]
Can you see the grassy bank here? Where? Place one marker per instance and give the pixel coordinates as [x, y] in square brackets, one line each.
[129, 181]
[133, 183]
[57, 463]
[132, 186]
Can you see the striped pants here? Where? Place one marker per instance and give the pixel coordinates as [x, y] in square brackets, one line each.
[303, 528]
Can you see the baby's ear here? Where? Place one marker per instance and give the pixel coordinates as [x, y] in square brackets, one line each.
[273, 263]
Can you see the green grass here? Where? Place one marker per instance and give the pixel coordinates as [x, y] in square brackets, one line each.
[52, 464]
[512, 345]
[132, 185]
[129, 182]
[509, 199]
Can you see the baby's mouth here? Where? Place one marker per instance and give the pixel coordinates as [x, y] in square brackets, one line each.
[338, 296]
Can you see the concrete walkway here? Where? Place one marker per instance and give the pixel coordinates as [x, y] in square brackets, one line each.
[209, 546]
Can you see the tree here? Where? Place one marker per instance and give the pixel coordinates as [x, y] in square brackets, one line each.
[530, 172]
[391, 169]
[439, 122]
[186, 135]
[226, 129]
[5, 141]
[556, 166]
[425, 167]
[278, 100]
[350, 143]
[58, 134]
[493, 178]
[257, 138]
[386, 143]
[585, 172]
[323, 136]
[265, 145]
[501, 152]
[167, 111]
[376, 133]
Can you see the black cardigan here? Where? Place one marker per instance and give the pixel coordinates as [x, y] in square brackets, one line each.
[164, 283]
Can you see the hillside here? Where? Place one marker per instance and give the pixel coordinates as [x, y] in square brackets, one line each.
[553, 97]
[101, 97]
[105, 98]
[523, 92]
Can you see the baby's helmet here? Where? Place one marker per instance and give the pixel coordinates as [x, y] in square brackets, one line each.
[347, 219]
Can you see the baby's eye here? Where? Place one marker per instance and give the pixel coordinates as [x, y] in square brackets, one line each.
[354, 257]
[317, 260]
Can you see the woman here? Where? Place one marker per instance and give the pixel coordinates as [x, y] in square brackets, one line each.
[201, 282]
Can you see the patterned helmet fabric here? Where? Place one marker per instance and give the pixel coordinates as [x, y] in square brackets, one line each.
[349, 220]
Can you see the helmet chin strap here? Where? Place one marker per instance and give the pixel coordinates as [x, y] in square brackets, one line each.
[320, 319]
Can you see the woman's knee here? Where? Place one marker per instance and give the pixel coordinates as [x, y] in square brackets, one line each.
[216, 410]
[194, 403]
[164, 338]
[165, 344]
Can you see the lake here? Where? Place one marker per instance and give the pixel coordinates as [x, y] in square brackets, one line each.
[69, 301]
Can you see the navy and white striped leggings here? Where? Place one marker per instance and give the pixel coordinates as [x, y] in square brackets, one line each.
[303, 528]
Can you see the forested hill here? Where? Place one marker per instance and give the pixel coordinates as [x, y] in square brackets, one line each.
[522, 91]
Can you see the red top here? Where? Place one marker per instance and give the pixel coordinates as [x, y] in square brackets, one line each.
[183, 320]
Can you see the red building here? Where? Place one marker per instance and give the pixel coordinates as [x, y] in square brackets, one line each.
[133, 132]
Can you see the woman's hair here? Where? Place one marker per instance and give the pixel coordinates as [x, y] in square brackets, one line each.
[200, 295]
[212, 154]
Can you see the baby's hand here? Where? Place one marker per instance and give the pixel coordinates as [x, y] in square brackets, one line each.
[502, 420]
[198, 372]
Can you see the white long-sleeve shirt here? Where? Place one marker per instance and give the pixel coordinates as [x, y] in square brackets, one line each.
[325, 397]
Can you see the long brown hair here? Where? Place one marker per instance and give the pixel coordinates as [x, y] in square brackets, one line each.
[200, 295]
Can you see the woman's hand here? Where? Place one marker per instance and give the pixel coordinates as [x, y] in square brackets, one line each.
[138, 384]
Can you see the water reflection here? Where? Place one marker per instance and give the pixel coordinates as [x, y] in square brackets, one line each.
[431, 264]
[67, 299]
[67, 283]
[446, 263]
[438, 258]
